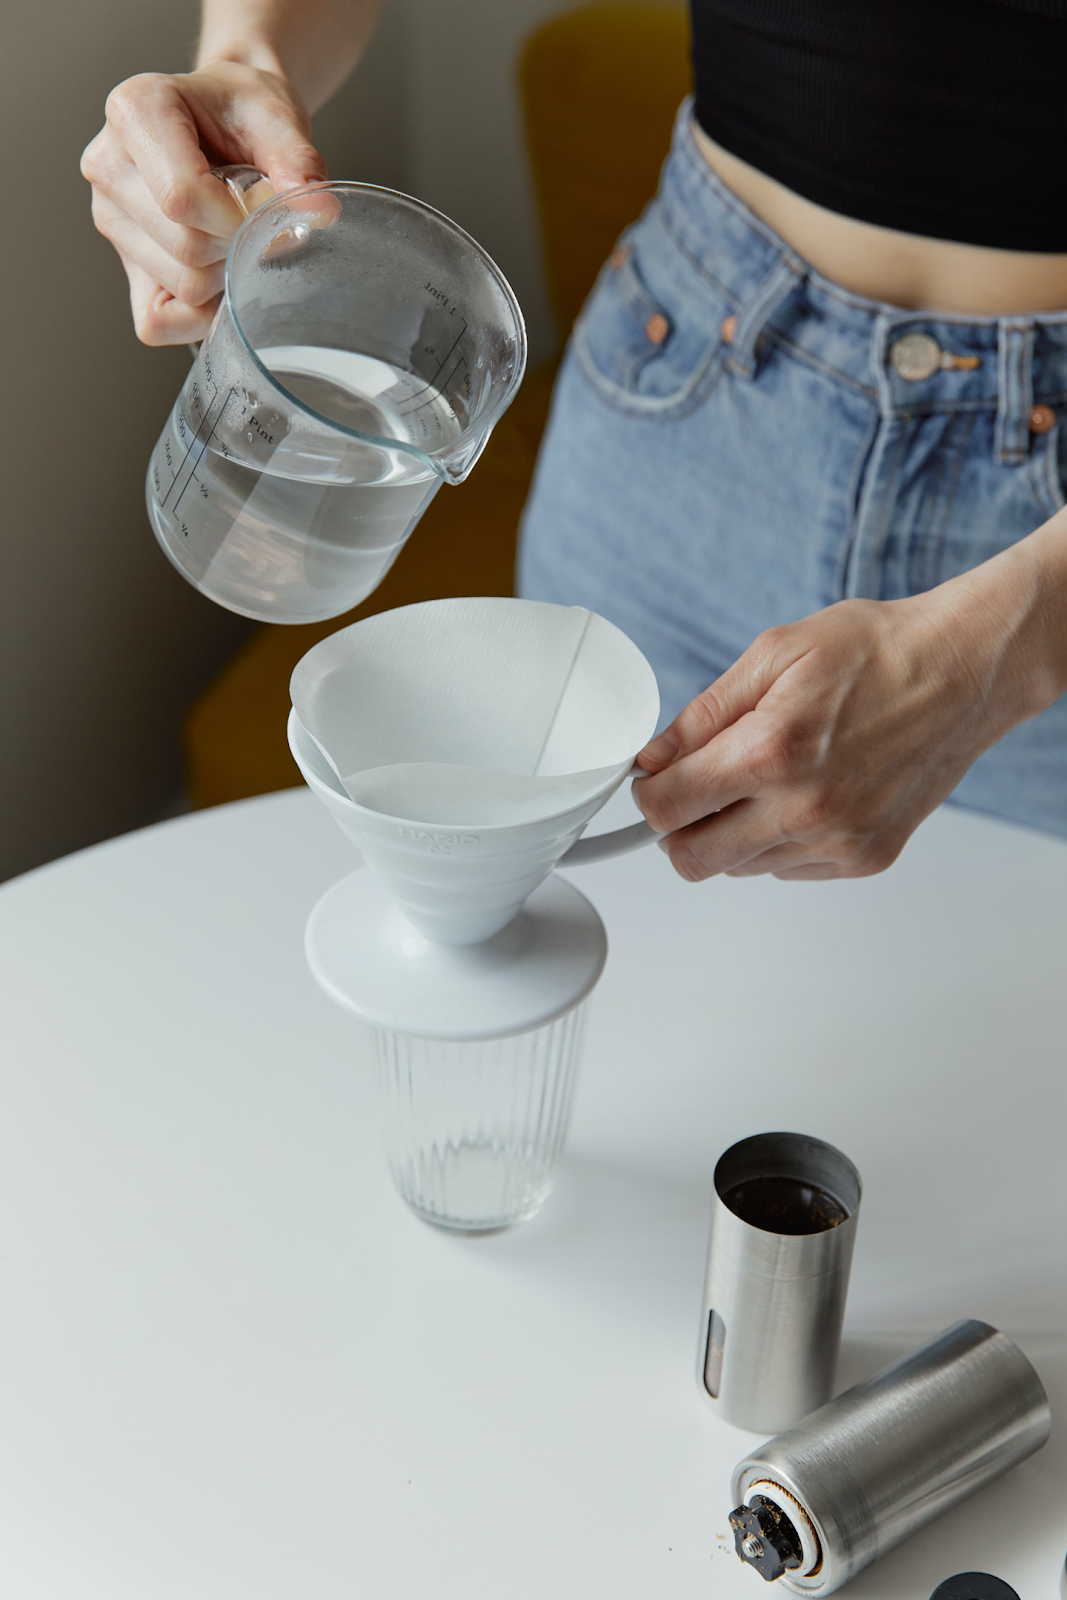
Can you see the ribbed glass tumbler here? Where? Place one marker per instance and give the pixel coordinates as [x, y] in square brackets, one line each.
[473, 1129]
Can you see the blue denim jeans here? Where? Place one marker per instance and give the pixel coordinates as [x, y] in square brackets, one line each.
[736, 442]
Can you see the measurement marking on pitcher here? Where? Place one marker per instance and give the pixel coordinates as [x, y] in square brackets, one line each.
[200, 456]
[432, 383]
[182, 424]
[438, 393]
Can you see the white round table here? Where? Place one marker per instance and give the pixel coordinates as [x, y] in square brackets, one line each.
[234, 1367]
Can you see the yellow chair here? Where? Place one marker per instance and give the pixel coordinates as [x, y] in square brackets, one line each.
[600, 86]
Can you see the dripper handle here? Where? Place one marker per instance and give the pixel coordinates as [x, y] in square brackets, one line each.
[617, 843]
[601, 845]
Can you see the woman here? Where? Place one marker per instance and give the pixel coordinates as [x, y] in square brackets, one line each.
[821, 379]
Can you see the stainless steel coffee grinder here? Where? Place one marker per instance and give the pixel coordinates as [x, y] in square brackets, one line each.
[820, 1502]
[783, 1229]
[845, 1479]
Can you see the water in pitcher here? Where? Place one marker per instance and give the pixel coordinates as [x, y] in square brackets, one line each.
[254, 533]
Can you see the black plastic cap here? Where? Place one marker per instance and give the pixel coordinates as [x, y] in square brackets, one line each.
[974, 1586]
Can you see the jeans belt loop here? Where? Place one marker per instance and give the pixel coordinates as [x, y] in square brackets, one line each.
[775, 288]
[1015, 390]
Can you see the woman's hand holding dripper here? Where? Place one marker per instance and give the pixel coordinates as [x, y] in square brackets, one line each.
[829, 740]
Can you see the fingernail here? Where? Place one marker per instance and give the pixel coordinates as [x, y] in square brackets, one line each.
[664, 844]
[662, 749]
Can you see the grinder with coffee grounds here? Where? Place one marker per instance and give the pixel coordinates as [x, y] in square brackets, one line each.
[782, 1234]
[831, 1494]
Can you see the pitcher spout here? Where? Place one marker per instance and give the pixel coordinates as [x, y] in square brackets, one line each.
[457, 461]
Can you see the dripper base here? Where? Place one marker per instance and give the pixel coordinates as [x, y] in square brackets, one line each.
[366, 955]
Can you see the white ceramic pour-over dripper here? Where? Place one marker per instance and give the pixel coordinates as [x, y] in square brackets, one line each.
[463, 745]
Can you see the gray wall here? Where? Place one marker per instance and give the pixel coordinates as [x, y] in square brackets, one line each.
[102, 645]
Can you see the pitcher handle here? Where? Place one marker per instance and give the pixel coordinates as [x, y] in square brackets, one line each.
[601, 845]
[243, 184]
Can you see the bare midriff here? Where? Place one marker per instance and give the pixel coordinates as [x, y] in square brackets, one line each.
[899, 269]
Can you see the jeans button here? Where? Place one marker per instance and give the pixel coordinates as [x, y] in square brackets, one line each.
[1041, 419]
[916, 356]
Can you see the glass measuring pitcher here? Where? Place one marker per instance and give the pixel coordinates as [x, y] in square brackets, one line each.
[363, 350]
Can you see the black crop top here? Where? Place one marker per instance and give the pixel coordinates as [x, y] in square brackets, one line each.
[939, 117]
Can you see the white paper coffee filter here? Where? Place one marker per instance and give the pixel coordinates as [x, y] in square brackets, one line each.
[477, 712]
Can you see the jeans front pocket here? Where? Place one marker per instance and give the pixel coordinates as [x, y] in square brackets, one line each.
[649, 340]
[1048, 465]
